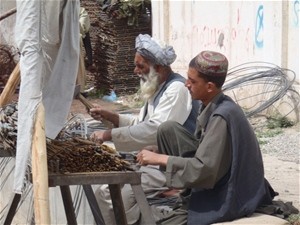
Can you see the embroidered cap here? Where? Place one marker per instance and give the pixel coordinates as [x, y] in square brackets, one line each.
[212, 63]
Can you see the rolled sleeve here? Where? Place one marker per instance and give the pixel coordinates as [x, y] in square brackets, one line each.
[127, 120]
[133, 138]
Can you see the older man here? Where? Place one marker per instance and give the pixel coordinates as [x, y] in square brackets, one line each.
[166, 98]
[220, 167]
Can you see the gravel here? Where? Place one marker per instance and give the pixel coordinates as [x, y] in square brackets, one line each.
[285, 146]
[283, 143]
[280, 150]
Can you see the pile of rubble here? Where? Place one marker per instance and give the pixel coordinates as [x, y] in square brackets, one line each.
[113, 43]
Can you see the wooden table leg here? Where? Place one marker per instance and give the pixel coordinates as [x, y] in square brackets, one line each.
[141, 199]
[117, 201]
[68, 205]
[93, 204]
[12, 209]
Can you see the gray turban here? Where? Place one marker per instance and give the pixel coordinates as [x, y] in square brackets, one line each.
[149, 48]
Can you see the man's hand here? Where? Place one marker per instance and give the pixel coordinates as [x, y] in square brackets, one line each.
[101, 136]
[146, 157]
[98, 113]
[152, 148]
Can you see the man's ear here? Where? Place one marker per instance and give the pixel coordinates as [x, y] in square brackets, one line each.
[157, 68]
[211, 86]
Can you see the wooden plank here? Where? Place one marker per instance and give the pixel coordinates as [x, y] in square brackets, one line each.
[90, 195]
[68, 205]
[10, 87]
[81, 75]
[95, 178]
[115, 180]
[8, 13]
[40, 170]
[117, 202]
[15, 200]
[143, 204]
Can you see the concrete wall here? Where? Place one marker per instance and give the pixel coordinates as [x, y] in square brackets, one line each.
[244, 31]
[7, 25]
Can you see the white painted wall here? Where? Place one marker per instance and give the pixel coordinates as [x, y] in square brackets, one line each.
[244, 31]
[7, 26]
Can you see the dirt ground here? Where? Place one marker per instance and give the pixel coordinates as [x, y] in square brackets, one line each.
[282, 175]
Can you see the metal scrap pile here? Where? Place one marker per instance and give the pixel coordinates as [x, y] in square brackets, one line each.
[113, 42]
[80, 155]
[71, 153]
[7, 63]
[8, 128]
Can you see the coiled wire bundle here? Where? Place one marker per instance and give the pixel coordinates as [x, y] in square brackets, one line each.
[257, 86]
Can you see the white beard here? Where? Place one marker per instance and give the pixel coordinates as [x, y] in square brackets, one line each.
[149, 84]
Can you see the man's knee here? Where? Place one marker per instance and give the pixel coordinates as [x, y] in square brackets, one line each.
[167, 127]
[128, 197]
[102, 194]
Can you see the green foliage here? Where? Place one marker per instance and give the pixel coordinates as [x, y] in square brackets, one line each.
[99, 93]
[262, 142]
[130, 9]
[279, 122]
[273, 127]
[267, 133]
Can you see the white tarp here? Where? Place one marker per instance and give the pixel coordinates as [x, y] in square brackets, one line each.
[47, 35]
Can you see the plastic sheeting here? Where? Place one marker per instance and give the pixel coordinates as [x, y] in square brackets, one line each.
[47, 35]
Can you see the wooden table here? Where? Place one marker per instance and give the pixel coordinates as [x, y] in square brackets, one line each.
[115, 180]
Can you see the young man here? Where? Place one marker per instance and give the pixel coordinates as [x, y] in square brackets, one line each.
[166, 98]
[220, 167]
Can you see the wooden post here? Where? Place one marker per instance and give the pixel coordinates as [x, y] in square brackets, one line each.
[8, 13]
[10, 87]
[81, 76]
[40, 170]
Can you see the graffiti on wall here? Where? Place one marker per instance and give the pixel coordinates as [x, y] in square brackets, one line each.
[250, 32]
[223, 37]
[259, 27]
[210, 37]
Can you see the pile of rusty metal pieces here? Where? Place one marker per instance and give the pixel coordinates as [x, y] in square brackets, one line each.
[8, 129]
[114, 53]
[71, 152]
[80, 155]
